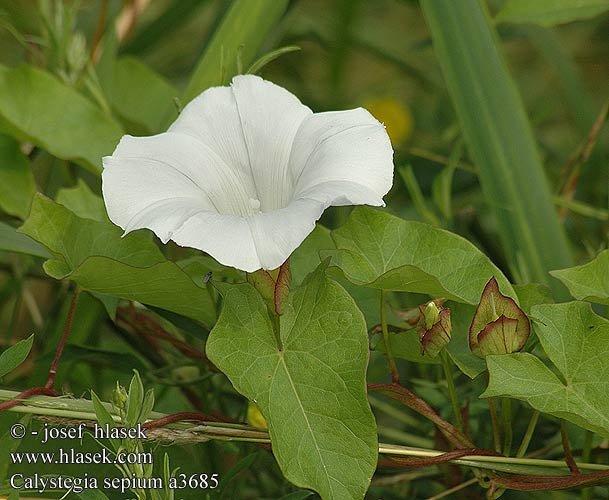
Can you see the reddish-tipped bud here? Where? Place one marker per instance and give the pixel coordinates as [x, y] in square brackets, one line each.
[274, 291]
[282, 287]
[499, 326]
[434, 329]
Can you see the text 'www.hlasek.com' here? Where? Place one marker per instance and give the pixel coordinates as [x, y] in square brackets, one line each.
[38, 482]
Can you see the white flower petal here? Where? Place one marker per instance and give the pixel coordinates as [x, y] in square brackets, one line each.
[251, 125]
[250, 243]
[278, 233]
[227, 238]
[341, 193]
[342, 157]
[213, 119]
[270, 116]
[158, 182]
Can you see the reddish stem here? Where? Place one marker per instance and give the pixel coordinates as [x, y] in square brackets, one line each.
[134, 319]
[179, 417]
[414, 402]
[33, 391]
[64, 338]
[567, 448]
[444, 457]
[526, 482]
[145, 326]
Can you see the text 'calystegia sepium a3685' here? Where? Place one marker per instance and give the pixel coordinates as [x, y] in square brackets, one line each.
[245, 171]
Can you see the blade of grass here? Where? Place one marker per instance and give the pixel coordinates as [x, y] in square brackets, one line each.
[270, 57]
[416, 195]
[499, 138]
[237, 40]
[581, 208]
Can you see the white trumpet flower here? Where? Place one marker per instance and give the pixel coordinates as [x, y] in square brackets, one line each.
[245, 172]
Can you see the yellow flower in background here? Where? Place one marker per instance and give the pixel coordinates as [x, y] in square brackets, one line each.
[254, 416]
[395, 115]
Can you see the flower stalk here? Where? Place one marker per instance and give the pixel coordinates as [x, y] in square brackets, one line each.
[448, 374]
[495, 424]
[274, 288]
[395, 376]
[528, 434]
[506, 414]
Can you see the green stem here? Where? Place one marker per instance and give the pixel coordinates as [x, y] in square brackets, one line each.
[485, 461]
[506, 415]
[395, 377]
[82, 409]
[495, 423]
[405, 438]
[528, 434]
[448, 373]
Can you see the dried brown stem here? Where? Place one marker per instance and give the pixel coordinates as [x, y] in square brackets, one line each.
[571, 170]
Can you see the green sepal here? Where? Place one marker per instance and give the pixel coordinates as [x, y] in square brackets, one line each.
[492, 307]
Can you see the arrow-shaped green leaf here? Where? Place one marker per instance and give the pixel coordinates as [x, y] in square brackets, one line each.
[312, 391]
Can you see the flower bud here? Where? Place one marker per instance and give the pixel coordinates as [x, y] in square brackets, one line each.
[77, 55]
[412, 315]
[434, 329]
[499, 326]
[120, 397]
[273, 286]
